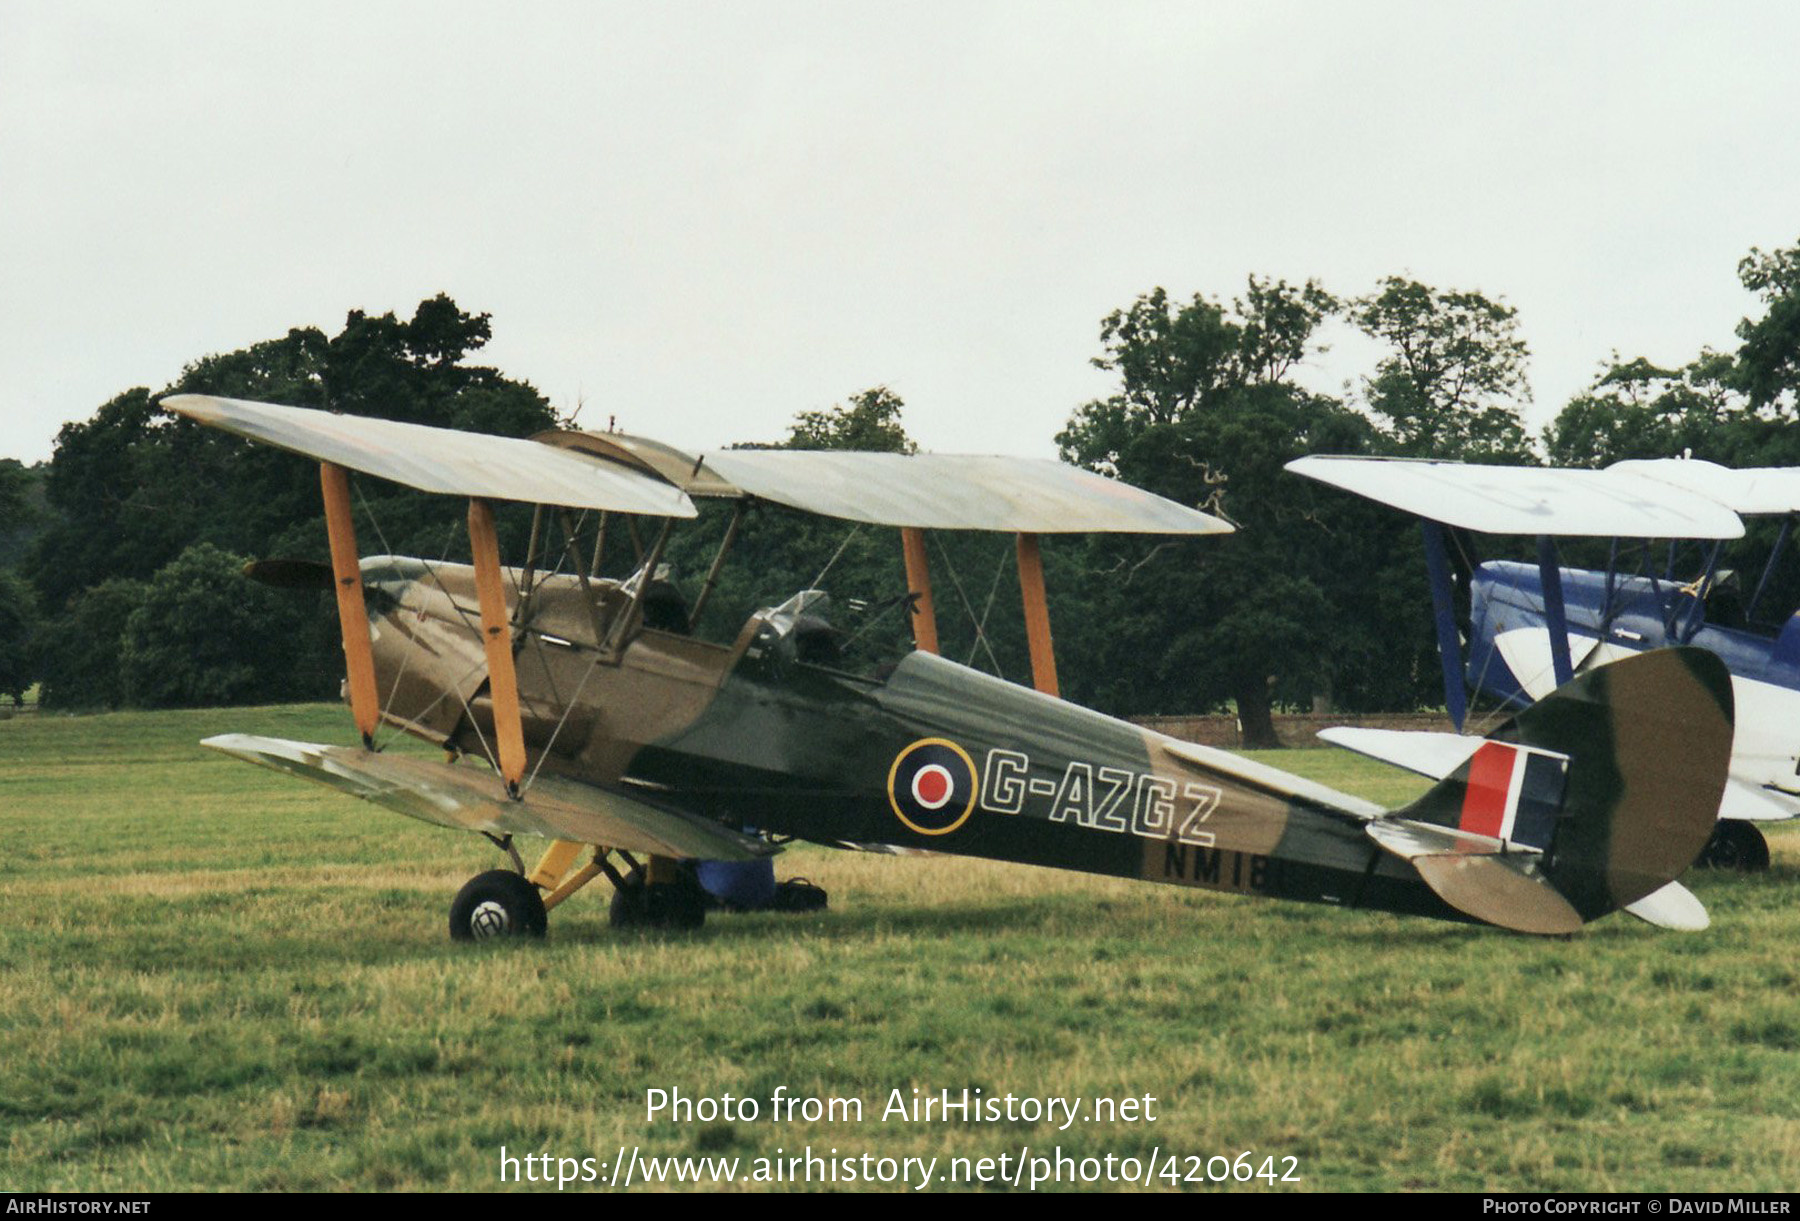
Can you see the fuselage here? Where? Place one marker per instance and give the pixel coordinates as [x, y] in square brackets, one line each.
[768, 732]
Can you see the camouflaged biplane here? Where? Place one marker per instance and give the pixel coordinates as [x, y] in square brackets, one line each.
[582, 711]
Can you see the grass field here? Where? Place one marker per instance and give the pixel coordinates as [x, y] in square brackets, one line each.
[212, 976]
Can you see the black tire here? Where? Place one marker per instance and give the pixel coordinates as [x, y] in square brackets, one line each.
[498, 903]
[1737, 846]
[680, 904]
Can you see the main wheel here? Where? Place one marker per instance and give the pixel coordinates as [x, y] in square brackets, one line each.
[498, 903]
[680, 904]
[1737, 846]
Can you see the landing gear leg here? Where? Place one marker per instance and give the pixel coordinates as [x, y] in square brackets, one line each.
[666, 895]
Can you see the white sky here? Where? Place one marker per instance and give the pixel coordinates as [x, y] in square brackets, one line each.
[706, 217]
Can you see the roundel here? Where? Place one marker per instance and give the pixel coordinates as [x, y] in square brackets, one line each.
[932, 786]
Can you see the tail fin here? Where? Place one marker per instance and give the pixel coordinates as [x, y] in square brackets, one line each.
[1603, 792]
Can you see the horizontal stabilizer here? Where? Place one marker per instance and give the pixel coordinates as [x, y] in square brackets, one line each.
[1675, 907]
[468, 799]
[1411, 840]
[1478, 876]
[1506, 890]
[441, 460]
[1424, 751]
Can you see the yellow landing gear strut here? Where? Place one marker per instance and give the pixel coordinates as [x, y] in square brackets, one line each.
[659, 893]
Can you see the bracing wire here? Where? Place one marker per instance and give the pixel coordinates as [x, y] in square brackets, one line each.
[988, 610]
[980, 636]
[455, 688]
[818, 582]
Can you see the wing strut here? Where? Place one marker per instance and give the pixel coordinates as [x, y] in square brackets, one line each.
[496, 639]
[918, 582]
[353, 615]
[1556, 622]
[1037, 615]
[1437, 567]
[1787, 528]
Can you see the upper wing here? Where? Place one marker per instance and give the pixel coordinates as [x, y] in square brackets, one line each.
[469, 800]
[1614, 503]
[441, 459]
[957, 492]
[1753, 491]
[928, 491]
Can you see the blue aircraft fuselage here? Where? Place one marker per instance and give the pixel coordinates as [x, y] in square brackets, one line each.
[1629, 612]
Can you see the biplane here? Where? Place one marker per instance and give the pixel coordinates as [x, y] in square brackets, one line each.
[581, 710]
[1512, 631]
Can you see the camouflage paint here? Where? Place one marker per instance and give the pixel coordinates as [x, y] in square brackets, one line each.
[940, 757]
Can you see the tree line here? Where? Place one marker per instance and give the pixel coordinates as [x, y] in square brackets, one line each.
[121, 558]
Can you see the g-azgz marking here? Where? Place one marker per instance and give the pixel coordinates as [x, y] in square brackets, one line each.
[1160, 808]
[1204, 799]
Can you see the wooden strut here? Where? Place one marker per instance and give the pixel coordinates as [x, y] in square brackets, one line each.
[1037, 615]
[496, 639]
[712, 574]
[587, 587]
[353, 614]
[528, 579]
[581, 877]
[918, 581]
[554, 863]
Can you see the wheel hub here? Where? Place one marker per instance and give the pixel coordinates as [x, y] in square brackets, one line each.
[489, 919]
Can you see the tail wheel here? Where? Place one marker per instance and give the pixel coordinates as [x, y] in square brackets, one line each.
[798, 895]
[498, 903]
[1737, 846]
[680, 904]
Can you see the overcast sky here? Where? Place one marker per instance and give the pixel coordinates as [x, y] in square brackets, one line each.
[703, 218]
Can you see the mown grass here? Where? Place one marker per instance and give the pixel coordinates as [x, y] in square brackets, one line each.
[215, 977]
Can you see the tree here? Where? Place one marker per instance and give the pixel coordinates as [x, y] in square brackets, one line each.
[203, 635]
[1736, 409]
[1169, 358]
[1205, 415]
[1769, 360]
[23, 512]
[81, 660]
[1455, 359]
[1639, 410]
[870, 422]
[18, 632]
[14, 491]
[132, 488]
